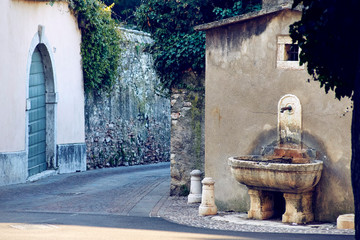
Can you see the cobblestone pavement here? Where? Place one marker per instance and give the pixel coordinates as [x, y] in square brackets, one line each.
[177, 210]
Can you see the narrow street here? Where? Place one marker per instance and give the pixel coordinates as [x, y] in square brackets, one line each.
[113, 203]
[120, 191]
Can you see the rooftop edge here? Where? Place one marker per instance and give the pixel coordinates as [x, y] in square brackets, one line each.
[244, 17]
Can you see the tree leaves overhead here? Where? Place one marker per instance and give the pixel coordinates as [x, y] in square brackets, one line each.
[178, 49]
[327, 35]
[123, 10]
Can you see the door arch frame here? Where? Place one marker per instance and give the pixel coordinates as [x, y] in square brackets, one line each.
[51, 98]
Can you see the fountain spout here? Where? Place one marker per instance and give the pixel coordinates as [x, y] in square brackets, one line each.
[283, 109]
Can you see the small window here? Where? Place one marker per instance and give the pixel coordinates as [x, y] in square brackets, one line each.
[287, 53]
[291, 52]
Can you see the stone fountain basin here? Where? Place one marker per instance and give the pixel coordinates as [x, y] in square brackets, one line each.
[274, 174]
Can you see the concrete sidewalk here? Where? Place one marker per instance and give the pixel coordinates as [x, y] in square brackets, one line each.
[150, 204]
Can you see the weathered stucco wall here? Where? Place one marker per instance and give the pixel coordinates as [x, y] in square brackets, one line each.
[187, 137]
[26, 25]
[243, 87]
[19, 21]
[130, 125]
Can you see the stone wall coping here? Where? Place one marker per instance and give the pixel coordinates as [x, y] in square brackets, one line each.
[141, 33]
[137, 36]
[245, 17]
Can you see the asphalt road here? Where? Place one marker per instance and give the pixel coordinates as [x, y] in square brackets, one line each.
[116, 203]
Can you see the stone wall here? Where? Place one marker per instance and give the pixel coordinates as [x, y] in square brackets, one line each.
[130, 125]
[187, 137]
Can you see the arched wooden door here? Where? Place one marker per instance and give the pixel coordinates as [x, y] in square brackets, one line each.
[37, 116]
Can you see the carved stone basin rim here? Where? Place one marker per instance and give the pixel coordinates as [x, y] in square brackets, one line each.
[259, 173]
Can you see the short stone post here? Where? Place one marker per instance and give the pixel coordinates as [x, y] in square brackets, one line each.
[207, 206]
[346, 221]
[195, 187]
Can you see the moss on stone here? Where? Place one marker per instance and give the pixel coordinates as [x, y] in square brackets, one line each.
[184, 190]
[196, 121]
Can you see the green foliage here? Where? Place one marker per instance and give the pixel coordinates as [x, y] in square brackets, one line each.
[123, 10]
[178, 49]
[239, 8]
[100, 46]
[327, 34]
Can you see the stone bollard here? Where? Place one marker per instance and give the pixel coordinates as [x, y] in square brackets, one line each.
[207, 206]
[195, 187]
[346, 221]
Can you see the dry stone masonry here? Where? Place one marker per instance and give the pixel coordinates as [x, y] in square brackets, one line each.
[187, 138]
[131, 125]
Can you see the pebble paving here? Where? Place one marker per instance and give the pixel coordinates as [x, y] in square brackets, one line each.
[176, 209]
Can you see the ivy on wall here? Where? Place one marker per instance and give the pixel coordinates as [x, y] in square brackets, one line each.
[100, 43]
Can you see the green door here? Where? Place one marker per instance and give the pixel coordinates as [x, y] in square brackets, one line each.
[37, 116]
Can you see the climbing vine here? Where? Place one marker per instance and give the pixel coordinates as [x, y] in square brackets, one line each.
[100, 43]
